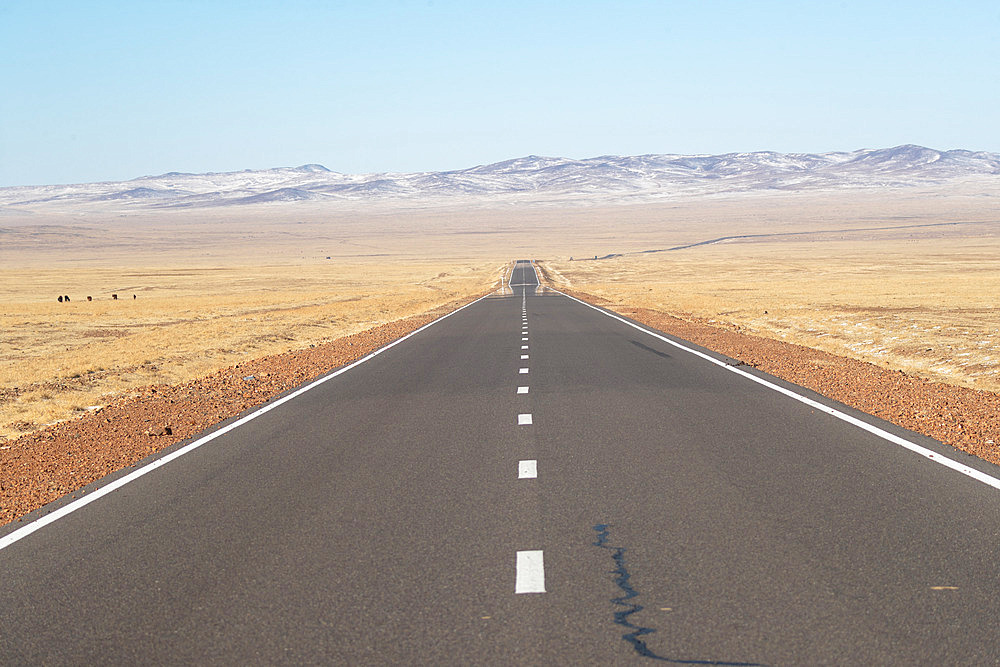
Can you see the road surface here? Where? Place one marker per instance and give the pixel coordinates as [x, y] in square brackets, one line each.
[526, 481]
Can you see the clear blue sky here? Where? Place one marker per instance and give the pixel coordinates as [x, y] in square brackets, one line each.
[114, 90]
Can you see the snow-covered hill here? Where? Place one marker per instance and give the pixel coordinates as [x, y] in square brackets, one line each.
[531, 178]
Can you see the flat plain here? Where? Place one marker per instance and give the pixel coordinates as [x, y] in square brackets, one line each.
[905, 278]
[927, 306]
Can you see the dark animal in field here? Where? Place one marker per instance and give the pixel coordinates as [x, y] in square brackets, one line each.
[114, 296]
[66, 299]
[59, 299]
[90, 298]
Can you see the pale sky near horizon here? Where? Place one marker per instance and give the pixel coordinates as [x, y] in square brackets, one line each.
[93, 91]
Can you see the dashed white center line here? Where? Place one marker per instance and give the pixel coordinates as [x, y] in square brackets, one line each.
[524, 356]
[522, 390]
[524, 347]
[523, 371]
[524, 419]
[524, 338]
[527, 469]
[530, 572]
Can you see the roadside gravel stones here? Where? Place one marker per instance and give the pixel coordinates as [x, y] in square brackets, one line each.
[41, 466]
[966, 419]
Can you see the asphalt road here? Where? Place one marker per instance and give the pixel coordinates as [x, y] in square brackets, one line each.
[679, 512]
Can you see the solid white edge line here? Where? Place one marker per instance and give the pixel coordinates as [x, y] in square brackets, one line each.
[863, 425]
[530, 576]
[69, 508]
[527, 469]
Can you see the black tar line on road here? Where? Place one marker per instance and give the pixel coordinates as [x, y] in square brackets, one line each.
[622, 580]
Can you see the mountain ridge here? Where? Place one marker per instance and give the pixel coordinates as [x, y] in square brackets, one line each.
[628, 178]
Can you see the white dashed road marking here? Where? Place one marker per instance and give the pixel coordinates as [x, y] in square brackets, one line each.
[530, 567]
[530, 572]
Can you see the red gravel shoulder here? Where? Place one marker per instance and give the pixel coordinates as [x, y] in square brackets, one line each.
[966, 419]
[42, 466]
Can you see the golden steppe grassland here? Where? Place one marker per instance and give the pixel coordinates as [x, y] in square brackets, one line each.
[217, 286]
[207, 295]
[922, 296]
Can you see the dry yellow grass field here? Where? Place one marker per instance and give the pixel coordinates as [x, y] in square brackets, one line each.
[57, 359]
[903, 278]
[898, 284]
[909, 305]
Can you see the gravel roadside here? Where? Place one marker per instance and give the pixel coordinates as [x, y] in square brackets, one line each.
[42, 466]
[963, 418]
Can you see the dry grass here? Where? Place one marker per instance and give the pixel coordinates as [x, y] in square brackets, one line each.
[216, 286]
[927, 306]
[58, 359]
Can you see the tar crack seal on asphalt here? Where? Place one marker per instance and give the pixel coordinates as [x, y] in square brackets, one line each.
[622, 577]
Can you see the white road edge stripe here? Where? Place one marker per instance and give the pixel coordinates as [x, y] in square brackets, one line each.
[69, 508]
[524, 419]
[530, 572]
[863, 425]
[527, 469]
[522, 390]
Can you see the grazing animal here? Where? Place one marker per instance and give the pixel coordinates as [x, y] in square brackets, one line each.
[66, 299]
[60, 299]
[133, 296]
[114, 296]
[90, 298]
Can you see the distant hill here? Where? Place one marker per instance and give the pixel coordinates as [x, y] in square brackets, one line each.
[532, 178]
